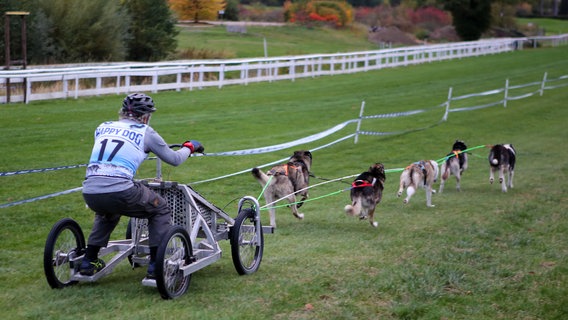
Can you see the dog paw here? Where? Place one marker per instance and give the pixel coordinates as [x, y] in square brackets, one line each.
[399, 194]
[300, 216]
[405, 201]
[491, 181]
[375, 224]
[430, 206]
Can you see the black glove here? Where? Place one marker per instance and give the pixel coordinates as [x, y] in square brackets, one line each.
[194, 146]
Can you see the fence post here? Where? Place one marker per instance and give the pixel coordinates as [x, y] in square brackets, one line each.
[506, 93]
[543, 83]
[445, 118]
[76, 93]
[28, 91]
[221, 75]
[155, 82]
[359, 122]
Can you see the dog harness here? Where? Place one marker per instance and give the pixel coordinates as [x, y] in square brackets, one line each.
[275, 172]
[456, 153]
[422, 165]
[363, 183]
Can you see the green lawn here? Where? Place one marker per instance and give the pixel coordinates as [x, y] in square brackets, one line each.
[214, 42]
[479, 254]
[280, 41]
[551, 26]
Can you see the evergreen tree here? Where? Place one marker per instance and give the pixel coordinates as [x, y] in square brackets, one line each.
[152, 30]
[470, 17]
[232, 10]
[66, 31]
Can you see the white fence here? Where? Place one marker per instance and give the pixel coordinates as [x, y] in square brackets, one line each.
[73, 82]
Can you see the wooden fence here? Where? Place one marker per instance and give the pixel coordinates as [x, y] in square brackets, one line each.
[93, 80]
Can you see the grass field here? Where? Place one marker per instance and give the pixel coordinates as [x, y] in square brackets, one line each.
[280, 41]
[215, 42]
[551, 26]
[479, 254]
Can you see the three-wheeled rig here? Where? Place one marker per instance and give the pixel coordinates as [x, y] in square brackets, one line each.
[189, 245]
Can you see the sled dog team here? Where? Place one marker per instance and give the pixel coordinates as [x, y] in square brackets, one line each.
[291, 180]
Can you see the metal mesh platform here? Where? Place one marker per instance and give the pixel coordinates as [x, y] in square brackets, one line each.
[186, 204]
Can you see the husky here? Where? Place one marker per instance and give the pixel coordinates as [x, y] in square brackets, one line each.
[366, 193]
[455, 164]
[419, 174]
[502, 157]
[288, 180]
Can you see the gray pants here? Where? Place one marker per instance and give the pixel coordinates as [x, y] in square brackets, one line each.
[139, 202]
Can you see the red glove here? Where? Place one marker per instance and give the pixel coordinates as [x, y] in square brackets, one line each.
[194, 146]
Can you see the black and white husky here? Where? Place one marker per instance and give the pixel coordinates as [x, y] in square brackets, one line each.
[455, 164]
[502, 157]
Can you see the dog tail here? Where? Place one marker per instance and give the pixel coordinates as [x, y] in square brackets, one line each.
[494, 155]
[260, 176]
[354, 209]
[445, 170]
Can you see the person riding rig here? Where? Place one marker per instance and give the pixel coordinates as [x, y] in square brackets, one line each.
[109, 188]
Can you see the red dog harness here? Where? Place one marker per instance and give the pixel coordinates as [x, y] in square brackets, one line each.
[362, 184]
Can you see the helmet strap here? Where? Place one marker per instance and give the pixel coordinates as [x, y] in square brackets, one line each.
[146, 118]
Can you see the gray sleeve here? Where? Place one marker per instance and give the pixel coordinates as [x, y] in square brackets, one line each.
[155, 143]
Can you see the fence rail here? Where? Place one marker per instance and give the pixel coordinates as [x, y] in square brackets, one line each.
[73, 82]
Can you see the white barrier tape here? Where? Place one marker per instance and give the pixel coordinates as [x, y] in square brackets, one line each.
[481, 94]
[12, 173]
[395, 114]
[522, 96]
[520, 86]
[375, 133]
[286, 145]
[556, 87]
[15, 203]
[476, 107]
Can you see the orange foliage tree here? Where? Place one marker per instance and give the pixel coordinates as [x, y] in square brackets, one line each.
[338, 13]
[197, 10]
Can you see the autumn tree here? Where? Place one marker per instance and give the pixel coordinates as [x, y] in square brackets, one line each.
[197, 10]
[338, 13]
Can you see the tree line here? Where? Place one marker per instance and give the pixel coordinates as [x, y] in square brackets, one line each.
[71, 31]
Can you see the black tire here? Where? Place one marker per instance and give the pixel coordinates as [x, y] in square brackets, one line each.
[246, 247]
[64, 243]
[174, 251]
